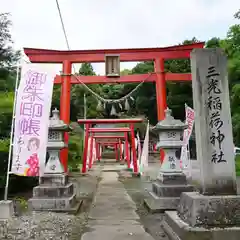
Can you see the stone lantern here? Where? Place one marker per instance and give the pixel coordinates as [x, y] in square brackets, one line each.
[170, 132]
[171, 180]
[55, 193]
[55, 143]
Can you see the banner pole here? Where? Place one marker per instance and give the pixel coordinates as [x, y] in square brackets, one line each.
[11, 134]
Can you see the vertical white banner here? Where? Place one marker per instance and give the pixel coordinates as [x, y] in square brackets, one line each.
[186, 136]
[33, 106]
[145, 149]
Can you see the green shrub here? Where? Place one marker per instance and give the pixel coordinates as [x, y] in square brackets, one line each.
[237, 162]
[75, 147]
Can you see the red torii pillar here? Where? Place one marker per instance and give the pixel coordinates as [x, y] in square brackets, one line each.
[161, 93]
[65, 108]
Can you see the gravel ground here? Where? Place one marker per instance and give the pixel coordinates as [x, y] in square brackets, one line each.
[136, 189]
[47, 225]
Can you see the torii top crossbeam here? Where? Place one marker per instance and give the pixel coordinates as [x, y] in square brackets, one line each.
[126, 55]
[106, 121]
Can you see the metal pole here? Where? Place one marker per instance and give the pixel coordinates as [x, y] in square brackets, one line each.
[11, 135]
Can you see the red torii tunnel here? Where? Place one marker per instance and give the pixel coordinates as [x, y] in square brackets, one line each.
[116, 141]
[91, 131]
[67, 58]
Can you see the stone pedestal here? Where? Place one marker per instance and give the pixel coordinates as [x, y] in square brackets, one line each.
[171, 181]
[204, 217]
[214, 213]
[54, 193]
[166, 191]
[6, 210]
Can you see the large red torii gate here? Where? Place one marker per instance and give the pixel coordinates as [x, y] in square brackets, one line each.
[67, 58]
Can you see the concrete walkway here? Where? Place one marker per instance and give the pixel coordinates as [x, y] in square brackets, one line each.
[113, 216]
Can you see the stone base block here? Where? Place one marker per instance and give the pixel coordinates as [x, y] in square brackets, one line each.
[6, 210]
[51, 204]
[157, 204]
[53, 191]
[53, 179]
[200, 210]
[176, 229]
[172, 178]
[162, 190]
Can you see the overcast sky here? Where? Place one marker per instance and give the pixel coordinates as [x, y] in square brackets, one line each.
[96, 24]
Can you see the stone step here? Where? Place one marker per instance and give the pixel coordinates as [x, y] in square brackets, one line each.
[169, 178]
[47, 191]
[48, 204]
[157, 204]
[175, 190]
[54, 179]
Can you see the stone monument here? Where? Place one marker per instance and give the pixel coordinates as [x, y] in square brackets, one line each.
[171, 180]
[214, 212]
[54, 192]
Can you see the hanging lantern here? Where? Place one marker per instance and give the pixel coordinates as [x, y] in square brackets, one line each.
[113, 111]
[104, 105]
[127, 106]
[99, 106]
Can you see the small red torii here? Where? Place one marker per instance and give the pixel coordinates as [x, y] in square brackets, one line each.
[89, 130]
[67, 58]
[115, 140]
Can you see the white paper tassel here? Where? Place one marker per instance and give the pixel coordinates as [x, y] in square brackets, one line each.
[131, 98]
[113, 111]
[120, 105]
[127, 107]
[99, 106]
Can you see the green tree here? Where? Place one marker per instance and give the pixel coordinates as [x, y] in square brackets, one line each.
[8, 57]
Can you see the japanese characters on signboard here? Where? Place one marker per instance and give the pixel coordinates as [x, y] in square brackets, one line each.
[31, 120]
[186, 135]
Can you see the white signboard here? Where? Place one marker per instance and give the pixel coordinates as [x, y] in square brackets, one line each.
[144, 156]
[33, 105]
[186, 136]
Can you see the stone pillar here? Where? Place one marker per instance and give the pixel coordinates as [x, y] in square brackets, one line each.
[55, 193]
[214, 212]
[171, 180]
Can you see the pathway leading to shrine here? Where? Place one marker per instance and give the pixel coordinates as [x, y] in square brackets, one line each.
[113, 215]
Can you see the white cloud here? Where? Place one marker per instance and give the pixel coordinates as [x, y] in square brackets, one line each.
[95, 24]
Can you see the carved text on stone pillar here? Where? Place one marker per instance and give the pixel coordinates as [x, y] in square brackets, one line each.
[214, 104]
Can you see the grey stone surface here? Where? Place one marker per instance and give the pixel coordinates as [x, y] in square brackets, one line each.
[157, 204]
[172, 178]
[177, 229]
[219, 211]
[213, 125]
[48, 204]
[162, 190]
[53, 191]
[54, 194]
[6, 209]
[113, 215]
[58, 179]
[166, 191]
